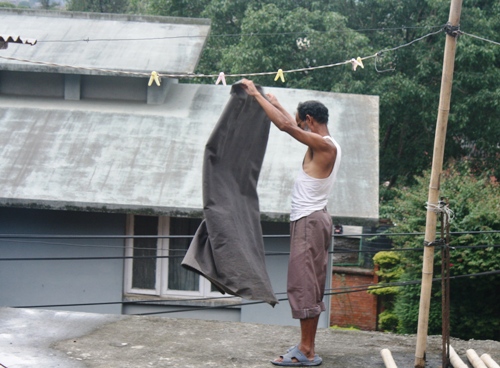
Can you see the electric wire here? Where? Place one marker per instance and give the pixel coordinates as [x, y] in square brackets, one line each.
[480, 38]
[272, 253]
[331, 291]
[387, 234]
[366, 248]
[346, 291]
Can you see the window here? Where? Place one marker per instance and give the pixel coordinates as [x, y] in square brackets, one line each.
[156, 268]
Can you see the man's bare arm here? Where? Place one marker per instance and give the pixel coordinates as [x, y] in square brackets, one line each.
[285, 121]
[280, 119]
[274, 101]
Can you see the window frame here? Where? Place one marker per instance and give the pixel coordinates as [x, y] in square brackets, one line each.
[162, 266]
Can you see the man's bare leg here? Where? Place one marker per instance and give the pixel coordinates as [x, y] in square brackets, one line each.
[308, 328]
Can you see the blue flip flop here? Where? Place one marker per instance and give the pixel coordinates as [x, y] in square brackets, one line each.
[302, 360]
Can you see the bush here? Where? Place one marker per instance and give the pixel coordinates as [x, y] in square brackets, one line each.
[475, 200]
[388, 321]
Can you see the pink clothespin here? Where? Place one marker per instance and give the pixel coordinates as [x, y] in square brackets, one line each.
[356, 62]
[221, 78]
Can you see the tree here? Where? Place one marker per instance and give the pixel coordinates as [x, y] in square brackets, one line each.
[269, 41]
[178, 8]
[409, 95]
[48, 4]
[475, 200]
[98, 6]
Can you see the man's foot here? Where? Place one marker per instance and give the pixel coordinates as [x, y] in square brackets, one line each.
[295, 358]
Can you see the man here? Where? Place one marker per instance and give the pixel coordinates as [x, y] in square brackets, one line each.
[310, 223]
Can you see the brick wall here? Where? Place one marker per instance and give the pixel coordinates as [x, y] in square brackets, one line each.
[357, 309]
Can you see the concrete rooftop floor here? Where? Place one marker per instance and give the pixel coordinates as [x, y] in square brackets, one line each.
[48, 338]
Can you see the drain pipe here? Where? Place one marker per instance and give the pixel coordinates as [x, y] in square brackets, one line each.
[474, 359]
[455, 360]
[387, 358]
[488, 360]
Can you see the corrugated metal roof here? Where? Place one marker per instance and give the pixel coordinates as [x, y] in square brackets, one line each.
[6, 39]
[103, 41]
[138, 157]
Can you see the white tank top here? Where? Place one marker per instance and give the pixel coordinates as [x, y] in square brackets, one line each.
[311, 194]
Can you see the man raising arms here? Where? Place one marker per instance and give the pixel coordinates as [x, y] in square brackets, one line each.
[310, 223]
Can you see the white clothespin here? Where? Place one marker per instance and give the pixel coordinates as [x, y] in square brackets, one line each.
[221, 78]
[356, 62]
[154, 77]
[280, 75]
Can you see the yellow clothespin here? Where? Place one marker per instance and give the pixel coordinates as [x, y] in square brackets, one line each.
[280, 75]
[221, 78]
[154, 77]
[356, 62]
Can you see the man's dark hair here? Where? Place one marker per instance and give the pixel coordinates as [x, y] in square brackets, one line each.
[315, 109]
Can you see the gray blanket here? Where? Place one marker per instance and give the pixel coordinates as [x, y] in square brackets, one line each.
[228, 247]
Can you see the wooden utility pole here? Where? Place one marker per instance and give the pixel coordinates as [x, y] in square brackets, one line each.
[437, 167]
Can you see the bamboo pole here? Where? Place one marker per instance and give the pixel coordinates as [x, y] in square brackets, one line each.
[474, 359]
[488, 360]
[437, 166]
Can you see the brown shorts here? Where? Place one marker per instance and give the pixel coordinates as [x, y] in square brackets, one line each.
[310, 239]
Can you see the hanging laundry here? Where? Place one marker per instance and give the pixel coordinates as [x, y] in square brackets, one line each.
[228, 247]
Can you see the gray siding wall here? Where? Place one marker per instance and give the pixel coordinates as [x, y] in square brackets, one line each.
[55, 282]
[73, 86]
[31, 84]
[28, 283]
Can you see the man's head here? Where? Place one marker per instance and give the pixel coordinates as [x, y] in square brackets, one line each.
[314, 109]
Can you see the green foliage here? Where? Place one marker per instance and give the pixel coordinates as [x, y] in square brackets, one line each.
[387, 262]
[475, 200]
[387, 321]
[328, 40]
[98, 6]
[389, 270]
[178, 8]
[350, 328]
[48, 4]
[6, 5]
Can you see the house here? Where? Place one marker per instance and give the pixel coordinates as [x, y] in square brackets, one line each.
[100, 174]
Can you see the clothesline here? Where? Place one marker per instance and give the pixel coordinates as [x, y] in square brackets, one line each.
[279, 75]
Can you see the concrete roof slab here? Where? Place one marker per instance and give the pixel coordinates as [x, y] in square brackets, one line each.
[117, 156]
[96, 42]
